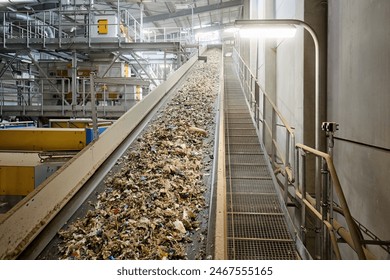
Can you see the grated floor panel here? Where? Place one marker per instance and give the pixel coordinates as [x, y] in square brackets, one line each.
[242, 132]
[248, 171]
[256, 225]
[244, 149]
[261, 250]
[253, 203]
[251, 186]
[247, 159]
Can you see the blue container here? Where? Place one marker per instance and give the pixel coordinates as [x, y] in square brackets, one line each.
[89, 133]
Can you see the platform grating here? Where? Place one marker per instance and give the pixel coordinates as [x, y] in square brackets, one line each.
[248, 171]
[240, 125]
[239, 115]
[242, 132]
[251, 186]
[244, 139]
[244, 149]
[261, 250]
[256, 225]
[247, 159]
[253, 203]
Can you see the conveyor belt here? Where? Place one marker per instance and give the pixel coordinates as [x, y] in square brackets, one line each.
[256, 226]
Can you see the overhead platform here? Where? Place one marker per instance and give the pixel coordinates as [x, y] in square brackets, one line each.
[98, 45]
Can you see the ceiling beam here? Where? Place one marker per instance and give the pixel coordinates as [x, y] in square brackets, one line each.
[197, 10]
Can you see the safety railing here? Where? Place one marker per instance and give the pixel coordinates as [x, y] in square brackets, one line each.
[47, 94]
[273, 127]
[30, 26]
[64, 26]
[290, 161]
[167, 34]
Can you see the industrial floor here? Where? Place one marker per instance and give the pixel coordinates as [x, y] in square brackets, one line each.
[256, 223]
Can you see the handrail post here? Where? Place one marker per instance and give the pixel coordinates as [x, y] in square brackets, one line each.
[263, 125]
[303, 212]
[273, 137]
[257, 97]
[325, 208]
[286, 165]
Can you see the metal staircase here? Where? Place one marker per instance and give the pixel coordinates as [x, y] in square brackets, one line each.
[256, 222]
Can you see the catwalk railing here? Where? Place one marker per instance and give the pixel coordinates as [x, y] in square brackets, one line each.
[274, 129]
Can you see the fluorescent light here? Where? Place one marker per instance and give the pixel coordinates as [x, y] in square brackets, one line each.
[285, 31]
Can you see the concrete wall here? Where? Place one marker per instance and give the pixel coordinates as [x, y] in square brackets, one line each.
[359, 99]
[355, 83]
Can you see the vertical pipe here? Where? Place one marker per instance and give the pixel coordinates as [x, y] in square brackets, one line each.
[192, 23]
[60, 25]
[303, 212]
[93, 109]
[135, 31]
[43, 30]
[165, 65]
[62, 87]
[42, 97]
[141, 22]
[2, 99]
[104, 100]
[286, 163]
[74, 79]
[264, 122]
[62, 103]
[83, 96]
[324, 205]
[4, 31]
[273, 137]
[118, 20]
[28, 31]
[330, 185]
[257, 98]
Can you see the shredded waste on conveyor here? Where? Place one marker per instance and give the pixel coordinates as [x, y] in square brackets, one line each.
[151, 208]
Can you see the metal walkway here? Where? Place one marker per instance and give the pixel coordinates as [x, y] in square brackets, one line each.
[256, 226]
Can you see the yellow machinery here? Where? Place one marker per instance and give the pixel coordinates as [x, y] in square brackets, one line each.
[77, 123]
[20, 173]
[43, 139]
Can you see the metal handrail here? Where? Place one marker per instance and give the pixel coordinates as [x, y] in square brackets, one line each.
[353, 237]
[284, 121]
[276, 151]
[359, 248]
